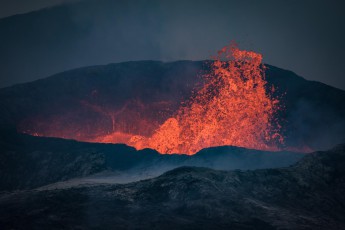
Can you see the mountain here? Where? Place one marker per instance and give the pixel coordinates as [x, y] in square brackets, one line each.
[54, 183]
[90, 103]
[28, 162]
[306, 195]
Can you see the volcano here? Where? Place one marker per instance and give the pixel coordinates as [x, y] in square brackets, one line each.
[209, 110]
[147, 104]
[232, 107]
[171, 134]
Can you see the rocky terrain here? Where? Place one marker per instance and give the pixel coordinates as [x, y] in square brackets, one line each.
[57, 172]
[306, 195]
[53, 183]
[29, 162]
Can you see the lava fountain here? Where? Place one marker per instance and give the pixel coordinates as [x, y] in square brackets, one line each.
[233, 107]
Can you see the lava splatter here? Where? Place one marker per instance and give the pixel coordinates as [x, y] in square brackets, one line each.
[232, 108]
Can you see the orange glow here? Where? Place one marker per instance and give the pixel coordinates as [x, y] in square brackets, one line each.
[232, 108]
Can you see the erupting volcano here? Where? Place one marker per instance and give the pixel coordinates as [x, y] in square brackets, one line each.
[232, 105]
[232, 108]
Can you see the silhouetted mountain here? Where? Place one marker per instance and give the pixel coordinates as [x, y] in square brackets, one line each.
[307, 195]
[135, 97]
[40, 43]
[28, 162]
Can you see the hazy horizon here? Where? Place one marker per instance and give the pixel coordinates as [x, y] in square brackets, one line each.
[303, 37]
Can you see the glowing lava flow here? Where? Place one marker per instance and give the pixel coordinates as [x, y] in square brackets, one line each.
[232, 108]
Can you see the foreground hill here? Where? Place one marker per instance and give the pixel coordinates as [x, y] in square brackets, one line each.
[28, 162]
[307, 195]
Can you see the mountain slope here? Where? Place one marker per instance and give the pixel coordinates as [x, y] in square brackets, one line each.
[307, 195]
[136, 97]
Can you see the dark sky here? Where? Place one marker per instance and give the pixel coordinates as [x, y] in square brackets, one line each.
[306, 37]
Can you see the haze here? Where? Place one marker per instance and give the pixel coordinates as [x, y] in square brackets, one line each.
[302, 36]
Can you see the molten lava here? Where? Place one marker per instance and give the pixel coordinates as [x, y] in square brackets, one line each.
[232, 108]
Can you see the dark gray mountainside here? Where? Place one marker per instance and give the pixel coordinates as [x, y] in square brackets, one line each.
[307, 195]
[28, 162]
[135, 97]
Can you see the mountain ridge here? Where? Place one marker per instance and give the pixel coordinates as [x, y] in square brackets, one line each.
[28, 162]
[84, 100]
[306, 195]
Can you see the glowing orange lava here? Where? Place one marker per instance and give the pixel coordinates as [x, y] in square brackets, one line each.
[232, 108]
